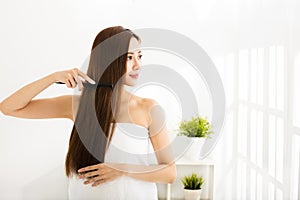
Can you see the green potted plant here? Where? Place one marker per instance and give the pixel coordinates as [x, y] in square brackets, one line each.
[198, 129]
[192, 186]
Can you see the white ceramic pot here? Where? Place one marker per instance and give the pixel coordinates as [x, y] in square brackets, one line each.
[193, 151]
[192, 194]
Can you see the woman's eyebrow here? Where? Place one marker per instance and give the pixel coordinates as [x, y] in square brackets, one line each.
[133, 52]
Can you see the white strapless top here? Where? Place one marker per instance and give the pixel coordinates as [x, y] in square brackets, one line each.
[130, 144]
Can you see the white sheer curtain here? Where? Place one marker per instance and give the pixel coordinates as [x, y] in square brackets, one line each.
[260, 143]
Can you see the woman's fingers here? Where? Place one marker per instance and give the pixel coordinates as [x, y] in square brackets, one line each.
[102, 176]
[86, 77]
[72, 81]
[79, 82]
[99, 182]
[90, 174]
[106, 178]
[67, 82]
[92, 180]
[92, 167]
[73, 77]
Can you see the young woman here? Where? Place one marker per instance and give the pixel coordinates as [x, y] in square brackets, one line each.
[114, 132]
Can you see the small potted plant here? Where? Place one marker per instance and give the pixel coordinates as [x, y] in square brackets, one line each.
[198, 129]
[192, 186]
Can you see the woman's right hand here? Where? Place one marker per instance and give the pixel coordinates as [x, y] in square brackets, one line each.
[71, 78]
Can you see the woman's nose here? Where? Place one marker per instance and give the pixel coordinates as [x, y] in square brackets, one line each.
[136, 64]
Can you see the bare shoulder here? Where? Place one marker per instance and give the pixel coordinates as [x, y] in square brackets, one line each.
[148, 102]
[147, 105]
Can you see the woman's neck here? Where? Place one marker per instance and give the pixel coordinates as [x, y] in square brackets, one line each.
[125, 95]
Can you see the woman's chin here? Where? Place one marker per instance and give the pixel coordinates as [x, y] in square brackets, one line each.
[131, 83]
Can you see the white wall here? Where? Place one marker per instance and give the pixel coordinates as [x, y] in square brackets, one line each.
[40, 37]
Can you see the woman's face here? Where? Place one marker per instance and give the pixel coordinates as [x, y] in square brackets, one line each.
[133, 63]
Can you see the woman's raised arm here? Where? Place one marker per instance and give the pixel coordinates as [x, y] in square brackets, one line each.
[20, 103]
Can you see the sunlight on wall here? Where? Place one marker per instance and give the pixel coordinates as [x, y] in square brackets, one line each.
[260, 138]
[297, 91]
[259, 149]
[295, 180]
[276, 74]
[243, 74]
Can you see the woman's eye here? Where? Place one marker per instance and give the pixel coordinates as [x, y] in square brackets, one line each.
[131, 57]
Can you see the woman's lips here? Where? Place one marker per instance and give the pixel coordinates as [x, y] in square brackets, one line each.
[135, 76]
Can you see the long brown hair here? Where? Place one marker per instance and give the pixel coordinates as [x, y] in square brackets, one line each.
[94, 122]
